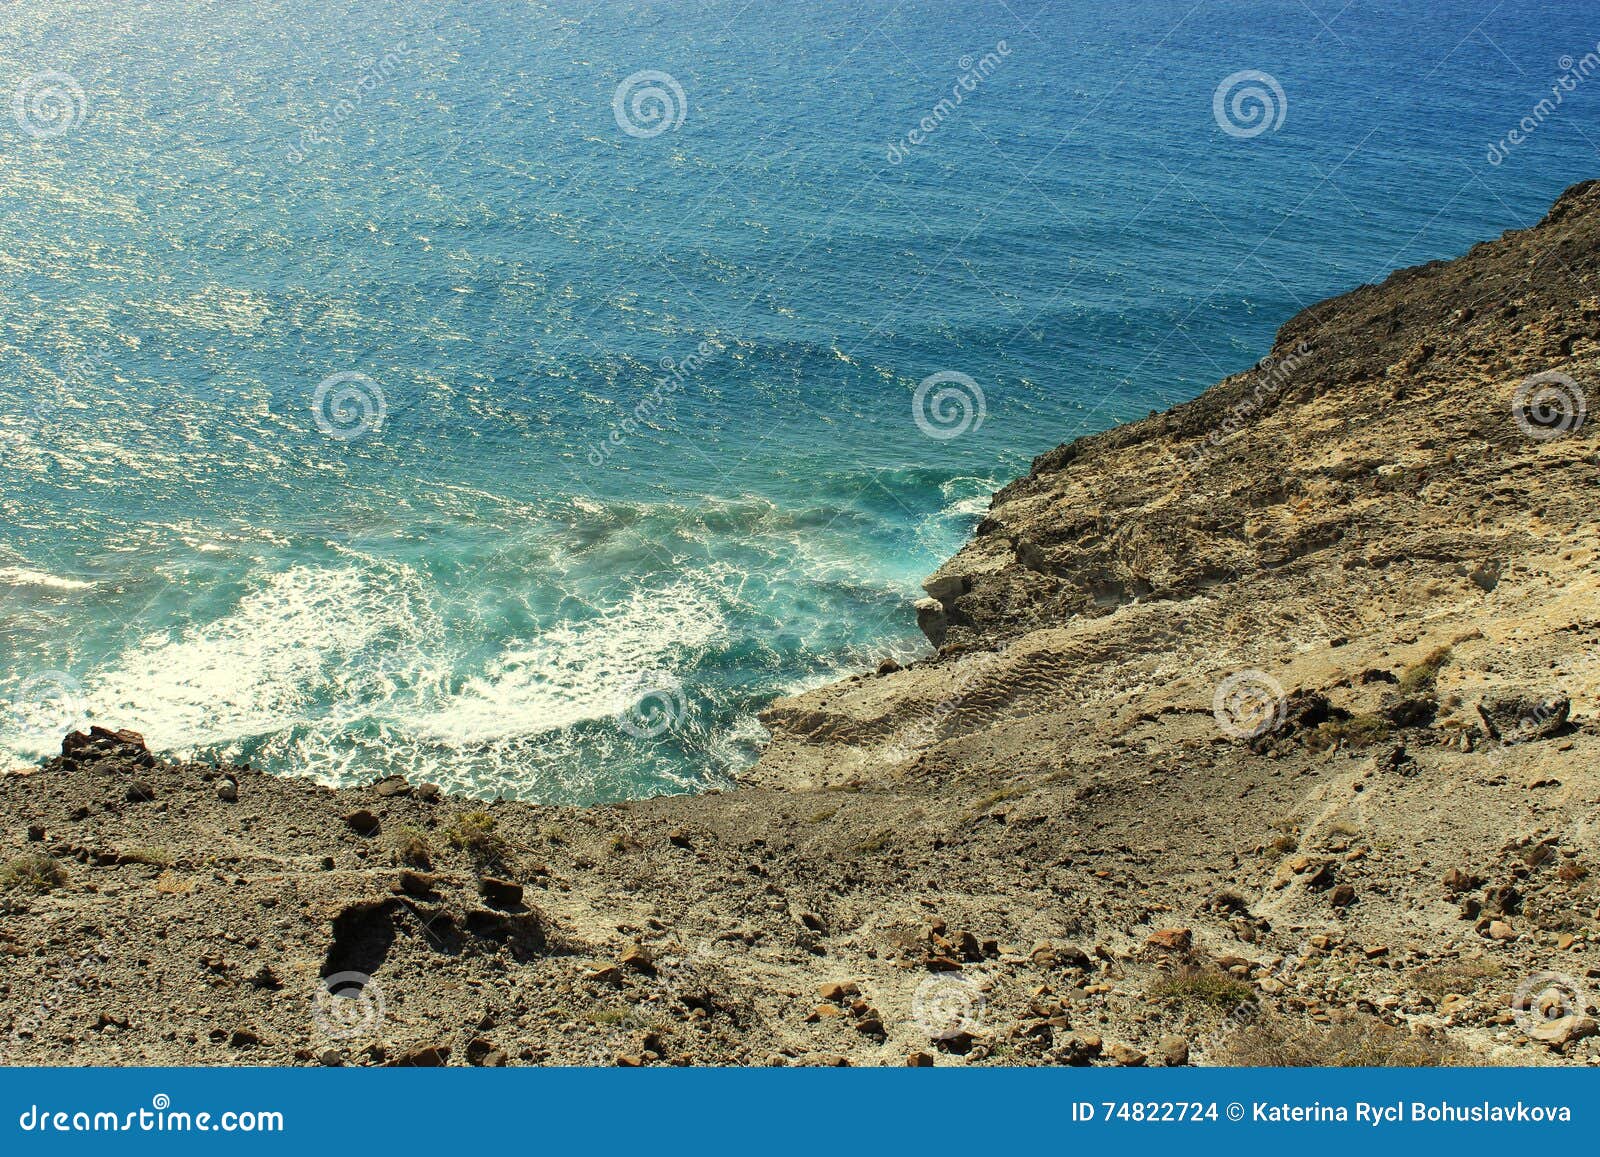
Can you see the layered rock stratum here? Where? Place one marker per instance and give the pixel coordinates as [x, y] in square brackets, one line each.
[1262, 730]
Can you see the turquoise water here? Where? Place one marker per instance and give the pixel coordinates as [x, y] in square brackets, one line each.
[479, 561]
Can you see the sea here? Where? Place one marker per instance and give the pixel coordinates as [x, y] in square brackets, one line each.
[520, 396]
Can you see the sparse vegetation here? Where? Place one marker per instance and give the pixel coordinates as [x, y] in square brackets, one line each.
[1357, 731]
[1362, 1041]
[1463, 975]
[32, 874]
[475, 834]
[1207, 986]
[1280, 846]
[1421, 676]
[411, 848]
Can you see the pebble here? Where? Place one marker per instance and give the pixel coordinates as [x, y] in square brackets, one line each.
[228, 791]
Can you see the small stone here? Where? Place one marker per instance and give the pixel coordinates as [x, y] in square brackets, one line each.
[1500, 930]
[331, 1058]
[889, 667]
[638, 958]
[1455, 880]
[139, 791]
[628, 1061]
[228, 791]
[35, 833]
[1343, 896]
[422, 1057]
[823, 1012]
[1171, 939]
[920, 1061]
[678, 838]
[243, 1038]
[427, 793]
[362, 822]
[392, 787]
[610, 974]
[872, 1026]
[839, 990]
[1173, 1050]
[1126, 1056]
[500, 893]
[1373, 951]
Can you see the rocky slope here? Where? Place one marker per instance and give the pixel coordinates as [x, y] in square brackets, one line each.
[1260, 730]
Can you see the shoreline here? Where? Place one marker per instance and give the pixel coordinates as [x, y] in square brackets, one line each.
[1169, 791]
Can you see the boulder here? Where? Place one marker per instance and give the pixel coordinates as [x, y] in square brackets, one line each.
[1521, 714]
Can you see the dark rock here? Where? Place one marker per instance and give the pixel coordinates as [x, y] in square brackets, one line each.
[392, 787]
[139, 791]
[1343, 896]
[362, 822]
[920, 1061]
[427, 793]
[35, 833]
[1522, 715]
[1412, 712]
[500, 893]
[228, 791]
[244, 1038]
[484, 1054]
[1455, 880]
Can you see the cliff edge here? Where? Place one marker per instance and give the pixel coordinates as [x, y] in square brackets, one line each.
[1259, 731]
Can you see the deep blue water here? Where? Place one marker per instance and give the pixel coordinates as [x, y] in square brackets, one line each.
[219, 207]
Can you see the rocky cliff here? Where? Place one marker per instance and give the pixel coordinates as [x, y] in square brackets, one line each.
[1262, 730]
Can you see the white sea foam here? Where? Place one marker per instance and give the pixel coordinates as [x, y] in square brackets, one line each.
[17, 576]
